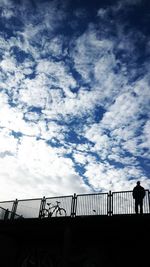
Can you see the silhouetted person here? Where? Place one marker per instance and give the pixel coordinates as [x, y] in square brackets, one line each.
[138, 195]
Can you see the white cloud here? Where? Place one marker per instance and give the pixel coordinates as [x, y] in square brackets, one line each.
[28, 166]
[7, 13]
[51, 130]
[34, 92]
[54, 47]
[102, 12]
[38, 170]
[4, 45]
[8, 64]
[145, 140]
[32, 116]
[6, 3]
[12, 119]
[122, 112]
[102, 143]
[58, 74]
[103, 176]
[120, 125]
[120, 157]
[8, 143]
[89, 50]
[80, 158]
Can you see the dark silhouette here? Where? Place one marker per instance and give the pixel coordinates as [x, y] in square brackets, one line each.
[53, 209]
[138, 195]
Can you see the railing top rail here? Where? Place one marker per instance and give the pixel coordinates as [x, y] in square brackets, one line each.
[29, 199]
[7, 201]
[127, 191]
[32, 199]
[92, 194]
[59, 197]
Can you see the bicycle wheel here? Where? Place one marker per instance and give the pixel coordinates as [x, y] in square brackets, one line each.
[51, 212]
[61, 212]
[45, 213]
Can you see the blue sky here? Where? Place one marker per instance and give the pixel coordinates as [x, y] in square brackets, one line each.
[74, 97]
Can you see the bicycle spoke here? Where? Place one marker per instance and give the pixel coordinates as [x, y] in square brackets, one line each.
[61, 212]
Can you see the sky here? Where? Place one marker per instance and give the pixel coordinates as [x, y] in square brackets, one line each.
[74, 97]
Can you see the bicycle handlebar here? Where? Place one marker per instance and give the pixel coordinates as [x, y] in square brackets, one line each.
[58, 202]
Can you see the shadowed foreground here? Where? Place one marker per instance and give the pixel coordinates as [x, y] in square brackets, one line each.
[82, 241]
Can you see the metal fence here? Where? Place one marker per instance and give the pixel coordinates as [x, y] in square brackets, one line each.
[123, 203]
[5, 214]
[92, 204]
[64, 203]
[29, 208]
[7, 205]
[112, 203]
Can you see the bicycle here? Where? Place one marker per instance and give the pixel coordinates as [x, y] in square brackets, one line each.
[55, 209]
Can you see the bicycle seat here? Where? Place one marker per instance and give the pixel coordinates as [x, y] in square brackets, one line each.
[58, 202]
[48, 204]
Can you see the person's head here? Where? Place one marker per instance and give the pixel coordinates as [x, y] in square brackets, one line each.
[138, 183]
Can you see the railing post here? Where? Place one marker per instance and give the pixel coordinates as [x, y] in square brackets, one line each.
[42, 207]
[74, 205]
[109, 204]
[6, 216]
[149, 199]
[14, 208]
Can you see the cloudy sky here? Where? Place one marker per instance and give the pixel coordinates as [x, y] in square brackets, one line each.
[74, 96]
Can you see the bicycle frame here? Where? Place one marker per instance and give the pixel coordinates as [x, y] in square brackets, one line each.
[52, 209]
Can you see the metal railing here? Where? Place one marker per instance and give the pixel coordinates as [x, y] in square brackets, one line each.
[65, 203]
[29, 208]
[5, 214]
[92, 204]
[112, 203]
[123, 203]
